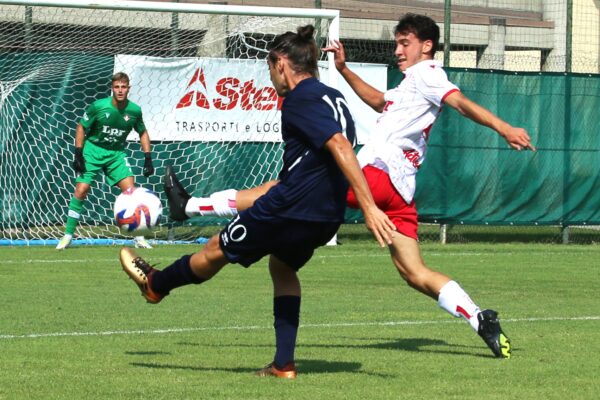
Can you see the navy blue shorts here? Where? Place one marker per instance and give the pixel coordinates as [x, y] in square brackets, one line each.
[247, 239]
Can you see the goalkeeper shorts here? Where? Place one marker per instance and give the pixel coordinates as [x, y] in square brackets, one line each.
[387, 198]
[112, 163]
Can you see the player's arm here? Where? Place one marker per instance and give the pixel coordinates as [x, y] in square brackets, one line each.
[78, 160]
[146, 148]
[367, 93]
[377, 222]
[145, 142]
[517, 138]
[79, 136]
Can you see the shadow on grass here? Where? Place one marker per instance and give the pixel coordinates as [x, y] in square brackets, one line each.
[303, 366]
[422, 345]
[147, 353]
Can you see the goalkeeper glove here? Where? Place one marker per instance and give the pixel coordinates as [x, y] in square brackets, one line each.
[78, 161]
[148, 167]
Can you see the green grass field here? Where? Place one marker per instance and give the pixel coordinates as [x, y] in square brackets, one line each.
[72, 326]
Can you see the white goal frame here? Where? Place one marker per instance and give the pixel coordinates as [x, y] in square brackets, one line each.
[103, 232]
[128, 5]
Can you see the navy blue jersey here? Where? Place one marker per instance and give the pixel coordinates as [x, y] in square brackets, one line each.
[311, 187]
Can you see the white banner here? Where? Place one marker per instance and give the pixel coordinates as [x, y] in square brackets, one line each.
[364, 116]
[217, 99]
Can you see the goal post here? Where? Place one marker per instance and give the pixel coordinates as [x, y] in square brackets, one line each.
[197, 70]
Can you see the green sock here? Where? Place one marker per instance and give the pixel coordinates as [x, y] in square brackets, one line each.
[75, 207]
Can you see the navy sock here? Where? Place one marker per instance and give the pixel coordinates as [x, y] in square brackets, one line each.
[286, 310]
[175, 275]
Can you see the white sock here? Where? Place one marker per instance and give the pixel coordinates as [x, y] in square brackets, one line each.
[457, 302]
[221, 204]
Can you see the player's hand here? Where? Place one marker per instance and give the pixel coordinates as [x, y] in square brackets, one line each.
[518, 139]
[380, 226]
[148, 167]
[339, 54]
[79, 161]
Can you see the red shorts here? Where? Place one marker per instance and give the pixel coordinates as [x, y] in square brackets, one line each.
[387, 198]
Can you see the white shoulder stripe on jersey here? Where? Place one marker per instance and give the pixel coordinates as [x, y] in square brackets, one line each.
[296, 162]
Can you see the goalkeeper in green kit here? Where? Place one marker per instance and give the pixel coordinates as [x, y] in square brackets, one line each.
[100, 147]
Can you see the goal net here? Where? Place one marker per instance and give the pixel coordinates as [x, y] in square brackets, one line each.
[198, 72]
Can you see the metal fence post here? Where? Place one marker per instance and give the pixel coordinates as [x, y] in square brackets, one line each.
[447, 22]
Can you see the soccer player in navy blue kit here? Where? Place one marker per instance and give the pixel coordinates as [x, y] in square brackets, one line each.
[298, 214]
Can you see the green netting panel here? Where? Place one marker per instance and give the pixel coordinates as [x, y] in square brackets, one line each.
[37, 122]
[472, 177]
[204, 168]
[36, 146]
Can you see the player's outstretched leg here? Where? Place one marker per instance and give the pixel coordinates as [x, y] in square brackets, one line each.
[287, 372]
[176, 195]
[491, 333]
[141, 272]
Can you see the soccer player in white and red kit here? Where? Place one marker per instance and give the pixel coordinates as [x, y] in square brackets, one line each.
[397, 148]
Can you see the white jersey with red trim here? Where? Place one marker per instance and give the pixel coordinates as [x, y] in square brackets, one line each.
[399, 141]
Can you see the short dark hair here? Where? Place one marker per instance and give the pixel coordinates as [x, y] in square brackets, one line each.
[300, 48]
[120, 76]
[422, 27]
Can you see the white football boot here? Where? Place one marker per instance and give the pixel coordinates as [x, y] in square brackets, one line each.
[64, 242]
[140, 242]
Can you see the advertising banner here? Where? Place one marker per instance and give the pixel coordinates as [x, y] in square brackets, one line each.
[218, 99]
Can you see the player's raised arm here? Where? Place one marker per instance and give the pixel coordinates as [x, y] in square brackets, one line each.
[517, 138]
[377, 222]
[367, 93]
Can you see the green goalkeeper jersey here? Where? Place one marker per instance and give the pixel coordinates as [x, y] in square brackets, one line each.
[107, 126]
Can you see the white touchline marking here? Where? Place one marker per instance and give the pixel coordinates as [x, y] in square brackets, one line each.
[257, 327]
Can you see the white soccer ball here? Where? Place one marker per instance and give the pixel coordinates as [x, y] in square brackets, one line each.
[137, 211]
